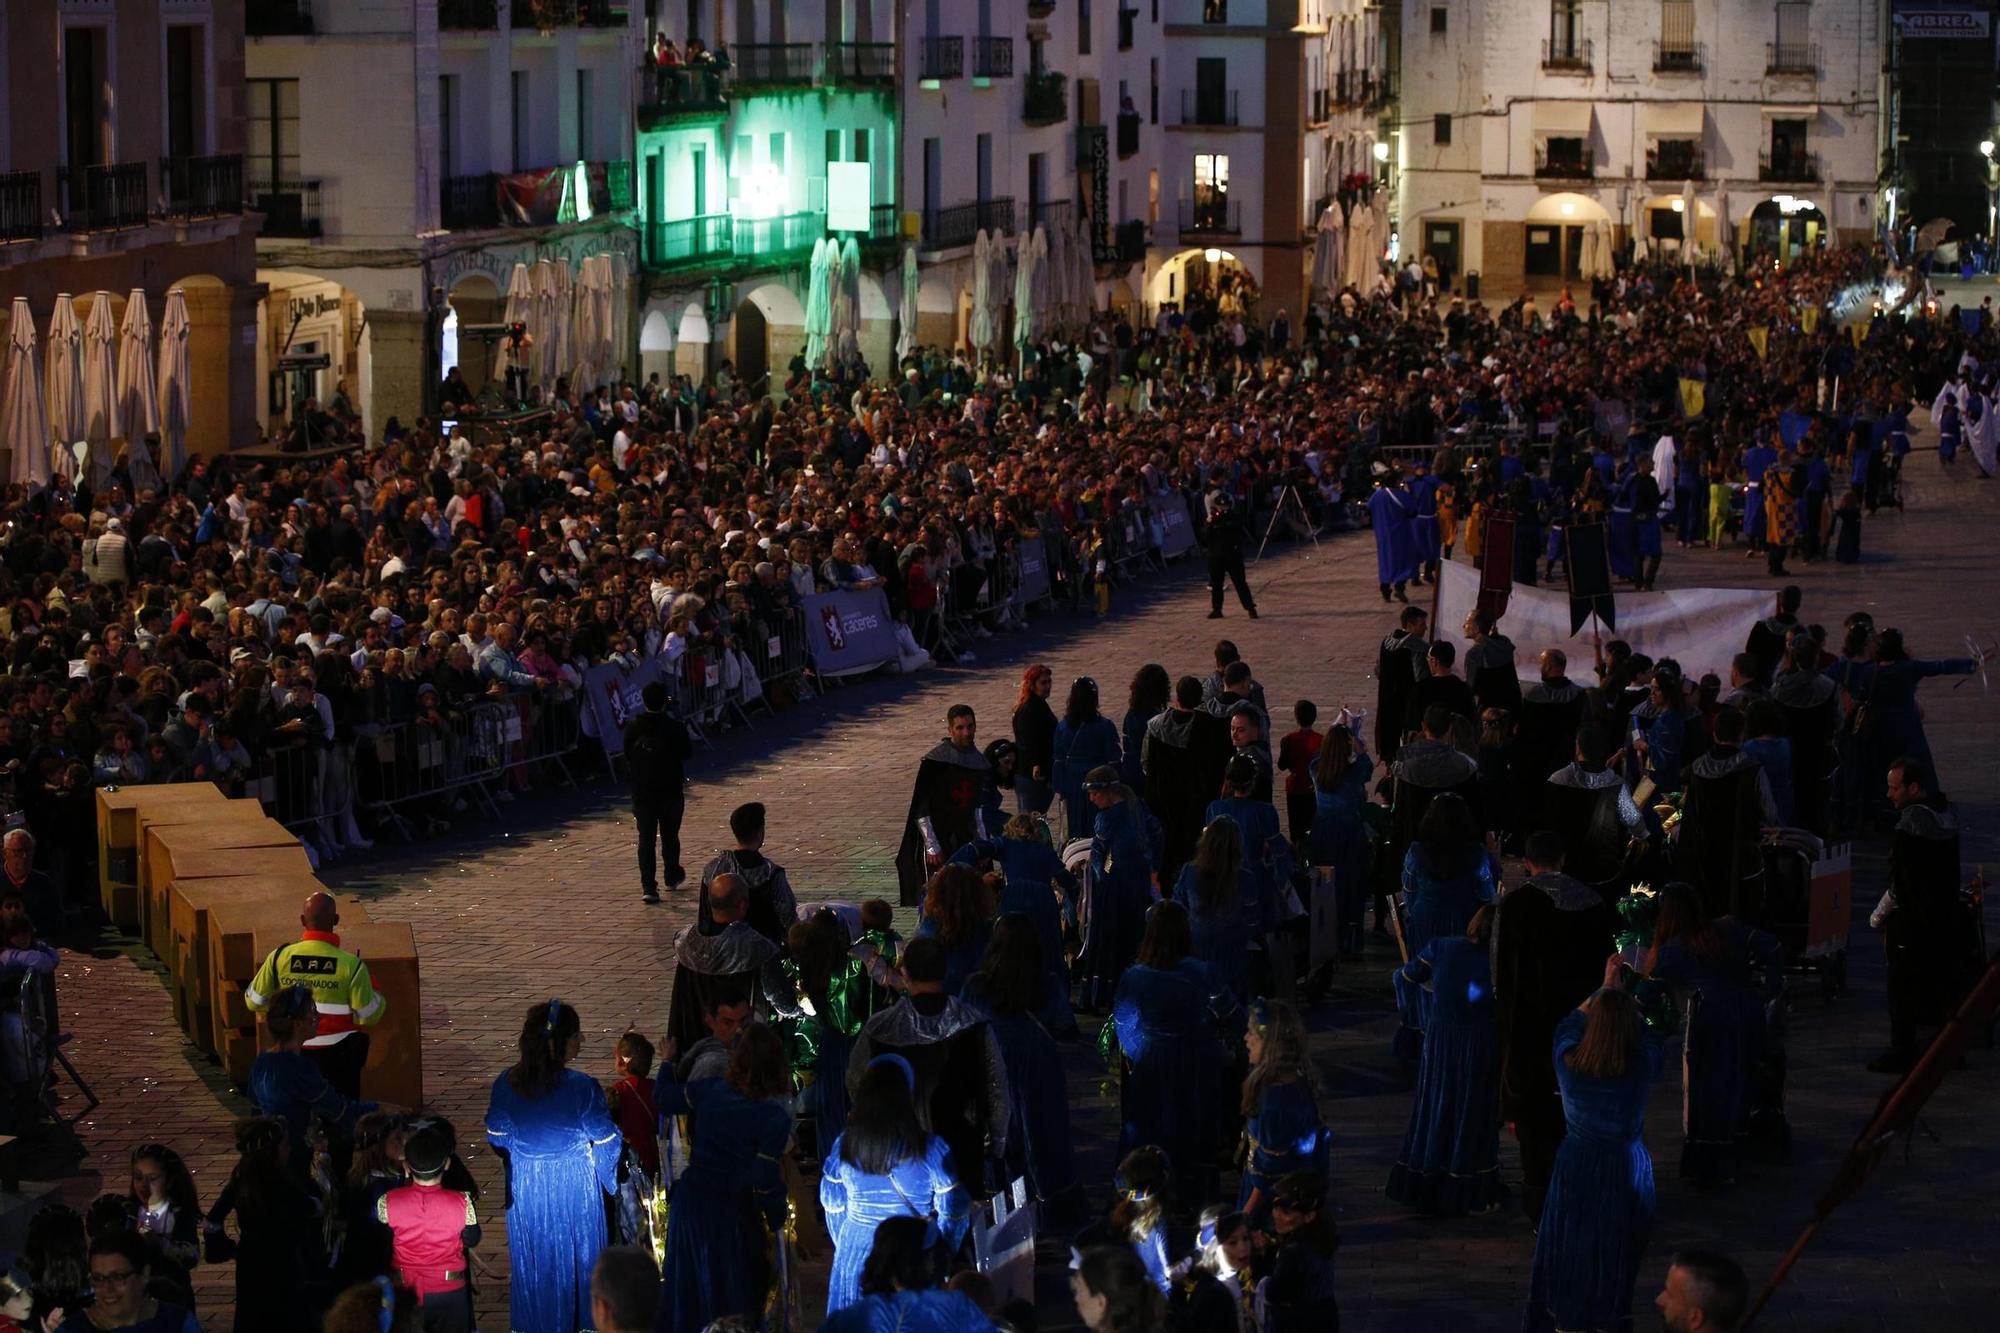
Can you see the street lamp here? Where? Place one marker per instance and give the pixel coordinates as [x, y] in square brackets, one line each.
[1986, 148]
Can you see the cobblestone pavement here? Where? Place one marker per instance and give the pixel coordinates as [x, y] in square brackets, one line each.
[547, 903]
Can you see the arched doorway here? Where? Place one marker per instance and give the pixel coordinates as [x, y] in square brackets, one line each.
[767, 331]
[752, 344]
[1785, 226]
[1201, 274]
[1552, 242]
[473, 300]
[656, 346]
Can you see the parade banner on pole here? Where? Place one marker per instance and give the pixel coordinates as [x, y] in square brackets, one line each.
[1034, 585]
[849, 632]
[1176, 528]
[612, 695]
[1701, 628]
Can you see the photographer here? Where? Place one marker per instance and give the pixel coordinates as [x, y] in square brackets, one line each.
[1225, 554]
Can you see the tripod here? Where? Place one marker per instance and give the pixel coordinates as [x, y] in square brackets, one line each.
[1289, 496]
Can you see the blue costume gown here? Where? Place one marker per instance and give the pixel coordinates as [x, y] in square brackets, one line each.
[1079, 749]
[1130, 767]
[933, 1311]
[1898, 721]
[1033, 872]
[857, 1202]
[287, 1084]
[1265, 851]
[1599, 1210]
[1437, 906]
[1450, 1162]
[562, 1160]
[1222, 939]
[1392, 514]
[1774, 755]
[1285, 1135]
[1127, 844]
[1666, 741]
[1039, 1144]
[1757, 460]
[1623, 530]
[1424, 528]
[962, 959]
[1340, 841]
[725, 1206]
[1171, 1023]
[1723, 1040]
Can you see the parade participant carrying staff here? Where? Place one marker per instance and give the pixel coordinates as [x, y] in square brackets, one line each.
[341, 990]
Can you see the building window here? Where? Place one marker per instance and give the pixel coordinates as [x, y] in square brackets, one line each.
[1153, 91]
[832, 146]
[186, 95]
[1440, 17]
[1793, 49]
[861, 147]
[1676, 32]
[584, 102]
[740, 163]
[447, 125]
[523, 120]
[1211, 191]
[777, 148]
[1215, 11]
[272, 137]
[1565, 29]
[1083, 17]
[1441, 129]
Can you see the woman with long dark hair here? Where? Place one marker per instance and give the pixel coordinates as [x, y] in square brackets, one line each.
[1114, 1293]
[1084, 739]
[1034, 877]
[1143, 1199]
[280, 1261]
[1340, 840]
[1009, 989]
[1599, 1210]
[958, 913]
[885, 1165]
[169, 1219]
[1299, 1295]
[1149, 696]
[285, 1083]
[899, 1288]
[1282, 1128]
[1219, 891]
[552, 1130]
[1658, 729]
[1208, 1293]
[1447, 876]
[826, 974]
[1035, 738]
[1451, 1149]
[1725, 972]
[729, 1206]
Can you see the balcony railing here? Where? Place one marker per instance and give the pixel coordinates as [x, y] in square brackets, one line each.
[1211, 108]
[764, 64]
[679, 90]
[1791, 58]
[1568, 164]
[861, 62]
[885, 222]
[468, 15]
[278, 18]
[1211, 217]
[689, 240]
[943, 58]
[470, 202]
[767, 238]
[618, 184]
[1571, 54]
[1128, 132]
[1319, 105]
[993, 57]
[1675, 162]
[1788, 166]
[20, 205]
[290, 208]
[996, 215]
[1679, 58]
[950, 228]
[1046, 99]
[106, 198]
[1384, 90]
[203, 187]
[1053, 215]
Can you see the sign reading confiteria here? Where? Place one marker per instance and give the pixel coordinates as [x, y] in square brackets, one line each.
[1943, 23]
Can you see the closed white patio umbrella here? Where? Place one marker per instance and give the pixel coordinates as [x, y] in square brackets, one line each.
[65, 383]
[1083, 260]
[1327, 240]
[562, 352]
[980, 331]
[1024, 293]
[541, 326]
[176, 406]
[100, 388]
[906, 311]
[819, 302]
[621, 315]
[583, 329]
[25, 428]
[138, 391]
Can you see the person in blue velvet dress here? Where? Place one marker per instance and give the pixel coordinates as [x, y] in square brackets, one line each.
[1599, 1210]
[1152, 690]
[1039, 887]
[1222, 897]
[552, 1130]
[1448, 875]
[958, 913]
[1451, 1150]
[1726, 972]
[885, 1166]
[1085, 739]
[1340, 840]
[1265, 851]
[1658, 730]
[1172, 1018]
[731, 1199]
[285, 1083]
[1138, 1221]
[1891, 694]
[1126, 845]
[899, 1291]
[1282, 1129]
[1008, 990]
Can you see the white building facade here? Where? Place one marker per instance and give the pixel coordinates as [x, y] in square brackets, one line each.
[407, 154]
[1526, 125]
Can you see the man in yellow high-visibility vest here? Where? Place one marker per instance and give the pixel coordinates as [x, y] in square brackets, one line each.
[340, 988]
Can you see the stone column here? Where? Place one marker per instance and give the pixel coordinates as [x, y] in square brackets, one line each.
[392, 367]
[222, 364]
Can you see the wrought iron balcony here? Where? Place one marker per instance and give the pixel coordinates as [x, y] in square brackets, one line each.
[203, 187]
[290, 208]
[20, 205]
[1211, 217]
[996, 215]
[1383, 91]
[950, 228]
[769, 64]
[885, 222]
[106, 198]
[278, 18]
[1791, 58]
[672, 91]
[1571, 55]
[1208, 108]
[470, 202]
[993, 57]
[1794, 165]
[548, 15]
[1679, 58]
[689, 240]
[1563, 164]
[943, 58]
[1675, 161]
[1053, 215]
[861, 62]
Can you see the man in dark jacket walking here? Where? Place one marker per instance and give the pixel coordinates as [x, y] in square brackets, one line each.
[656, 752]
[1225, 537]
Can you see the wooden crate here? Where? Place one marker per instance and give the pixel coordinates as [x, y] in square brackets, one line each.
[193, 816]
[212, 863]
[191, 903]
[240, 930]
[243, 824]
[395, 1070]
[118, 840]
